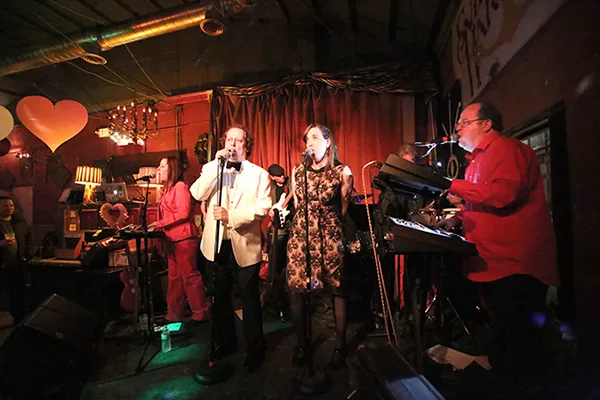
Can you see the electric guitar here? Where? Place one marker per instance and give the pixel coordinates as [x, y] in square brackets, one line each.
[281, 211]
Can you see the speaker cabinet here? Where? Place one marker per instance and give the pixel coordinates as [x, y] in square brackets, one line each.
[49, 354]
[383, 373]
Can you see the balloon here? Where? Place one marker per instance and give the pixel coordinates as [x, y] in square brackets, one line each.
[6, 122]
[4, 147]
[53, 124]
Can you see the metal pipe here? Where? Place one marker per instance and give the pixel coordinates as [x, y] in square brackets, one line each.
[106, 39]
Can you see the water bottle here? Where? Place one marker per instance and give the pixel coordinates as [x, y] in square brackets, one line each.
[165, 337]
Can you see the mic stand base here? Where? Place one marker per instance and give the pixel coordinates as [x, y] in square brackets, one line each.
[211, 373]
[141, 364]
[314, 385]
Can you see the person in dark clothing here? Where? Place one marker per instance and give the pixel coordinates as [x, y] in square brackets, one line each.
[280, 189]
[277, 238]
[16, 246]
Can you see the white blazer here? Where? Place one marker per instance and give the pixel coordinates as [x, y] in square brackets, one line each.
[247, 198]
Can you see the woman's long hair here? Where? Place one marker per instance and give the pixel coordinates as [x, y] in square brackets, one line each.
[332, 151]
[175, 172]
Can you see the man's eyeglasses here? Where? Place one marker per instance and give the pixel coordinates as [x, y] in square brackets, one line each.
[469, 122]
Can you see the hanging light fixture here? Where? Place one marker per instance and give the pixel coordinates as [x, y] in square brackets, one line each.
[133, 124]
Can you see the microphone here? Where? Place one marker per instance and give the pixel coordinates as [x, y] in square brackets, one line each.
[146, 178]
[451, 139]
[307, 153]
[232, 153]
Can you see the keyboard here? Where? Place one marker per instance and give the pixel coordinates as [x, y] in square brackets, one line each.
[405, 176]
[133, 232]
[412, 237]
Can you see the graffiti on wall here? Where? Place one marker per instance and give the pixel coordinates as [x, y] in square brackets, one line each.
[486, 34]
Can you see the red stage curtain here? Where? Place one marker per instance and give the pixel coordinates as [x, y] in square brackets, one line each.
[367, 126]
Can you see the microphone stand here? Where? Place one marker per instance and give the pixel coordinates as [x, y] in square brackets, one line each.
[150, 334]
[430, 148]
[313, 384]
[212, 373]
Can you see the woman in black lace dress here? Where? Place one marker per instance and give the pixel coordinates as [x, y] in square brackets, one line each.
[330, 184]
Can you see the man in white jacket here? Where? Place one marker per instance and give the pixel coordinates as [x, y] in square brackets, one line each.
[246, 200]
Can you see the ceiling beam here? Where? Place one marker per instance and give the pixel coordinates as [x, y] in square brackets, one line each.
[392, 20]
[31, 82]
[10, 35]
[127, 8]
[353, 17]
[61, 14]
[11, 93]
[438, 21]
[32, 23]
[156, 4]
[284, 10]
[67, 73]
[413, 25]
[320, 34]
[96, 11]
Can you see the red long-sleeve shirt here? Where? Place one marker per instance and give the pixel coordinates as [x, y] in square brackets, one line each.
[506, 214]
[174, 213]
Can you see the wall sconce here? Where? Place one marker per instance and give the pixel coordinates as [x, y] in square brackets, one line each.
[90, 177]
[25, 164]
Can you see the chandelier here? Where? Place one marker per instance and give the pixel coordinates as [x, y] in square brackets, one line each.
[133, 124]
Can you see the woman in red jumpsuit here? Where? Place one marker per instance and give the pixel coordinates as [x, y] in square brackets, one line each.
[180, 243]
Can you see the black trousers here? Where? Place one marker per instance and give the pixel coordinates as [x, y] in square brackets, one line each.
[515, 304]
[14, 279]
[277, 258]
[228, 273]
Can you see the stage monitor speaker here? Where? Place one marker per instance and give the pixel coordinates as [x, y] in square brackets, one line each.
[49, 355]
[383, 373]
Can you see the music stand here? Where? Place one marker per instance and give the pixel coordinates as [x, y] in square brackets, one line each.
[313, 384]
[150, 335]
[212, 373]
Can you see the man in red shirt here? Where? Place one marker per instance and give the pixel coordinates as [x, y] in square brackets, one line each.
[506, 215]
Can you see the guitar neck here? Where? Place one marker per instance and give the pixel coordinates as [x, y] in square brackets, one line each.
[287, 199]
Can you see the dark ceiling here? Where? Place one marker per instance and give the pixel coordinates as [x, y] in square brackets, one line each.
[264, 39]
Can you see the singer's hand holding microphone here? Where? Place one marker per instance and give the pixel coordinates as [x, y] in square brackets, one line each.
[226, 154]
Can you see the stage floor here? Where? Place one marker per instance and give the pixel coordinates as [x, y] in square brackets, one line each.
[168, 376]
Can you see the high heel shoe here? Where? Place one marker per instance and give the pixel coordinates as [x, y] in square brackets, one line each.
[300, 356]
[338, 359]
